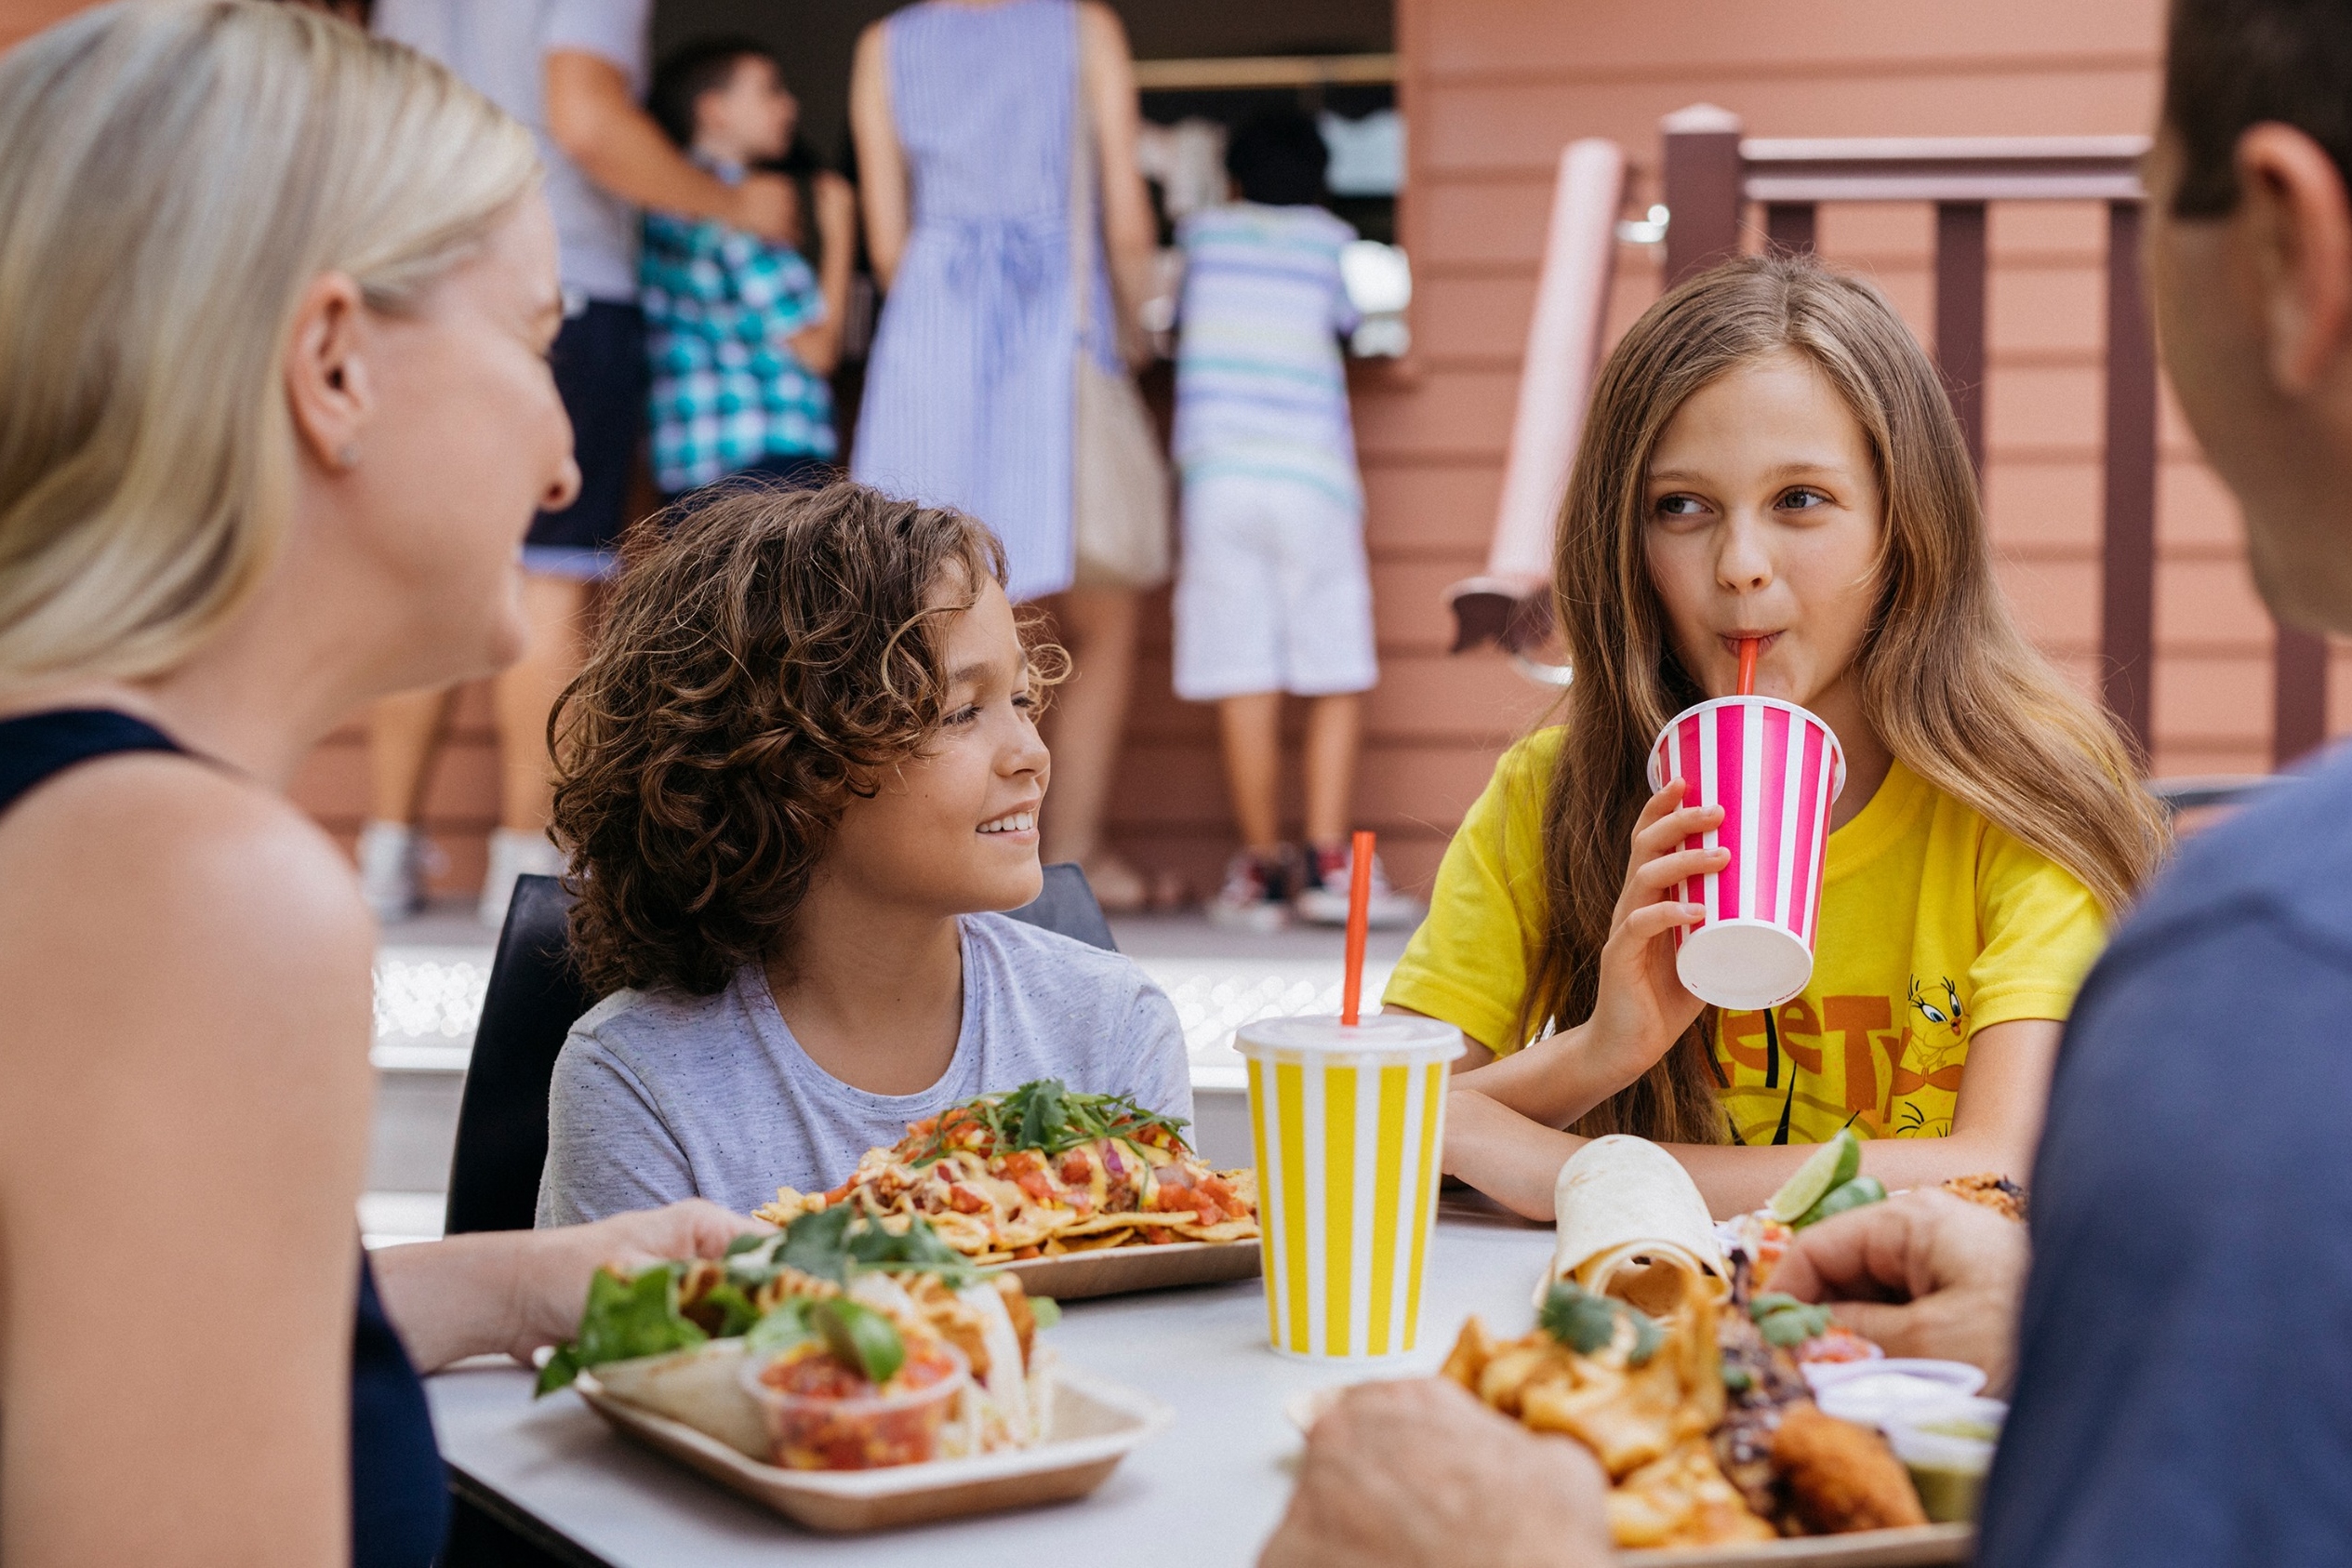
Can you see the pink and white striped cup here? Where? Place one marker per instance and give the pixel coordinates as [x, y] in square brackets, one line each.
[1775, 769]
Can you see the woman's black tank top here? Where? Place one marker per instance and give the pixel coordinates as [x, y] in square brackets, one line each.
[399, 1505]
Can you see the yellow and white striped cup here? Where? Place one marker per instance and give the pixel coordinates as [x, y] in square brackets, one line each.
[1348, 1121]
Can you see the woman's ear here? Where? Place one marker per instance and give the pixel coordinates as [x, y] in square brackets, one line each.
[327, 387]
[2295, 215]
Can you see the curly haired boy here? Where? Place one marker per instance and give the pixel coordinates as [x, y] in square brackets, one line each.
[799, 772]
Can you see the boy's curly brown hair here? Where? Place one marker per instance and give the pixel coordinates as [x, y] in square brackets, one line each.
[765, 657]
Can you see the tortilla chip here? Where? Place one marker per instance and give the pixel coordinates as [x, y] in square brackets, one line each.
[1224, 1231]
[788, 1206]
[1106, 1222]
[1095, 1244]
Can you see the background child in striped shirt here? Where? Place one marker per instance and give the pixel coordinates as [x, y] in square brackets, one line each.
[1272, 596]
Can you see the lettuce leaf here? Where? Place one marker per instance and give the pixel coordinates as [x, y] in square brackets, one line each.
[626, 1316]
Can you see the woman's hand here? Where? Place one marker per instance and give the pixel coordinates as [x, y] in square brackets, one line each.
[1643, 1007]
[553, 1267]
[513, 1291]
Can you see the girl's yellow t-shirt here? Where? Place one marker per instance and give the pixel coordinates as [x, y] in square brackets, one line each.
[1935, 923]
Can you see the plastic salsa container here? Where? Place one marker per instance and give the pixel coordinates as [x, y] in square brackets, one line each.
[1948, 1452]
[822, 1415]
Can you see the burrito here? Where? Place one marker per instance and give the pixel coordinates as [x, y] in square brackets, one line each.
[1632, 1225]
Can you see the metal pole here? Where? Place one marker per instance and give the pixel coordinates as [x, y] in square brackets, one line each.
[2127, 622]
[1704, 195]
[1960, 316]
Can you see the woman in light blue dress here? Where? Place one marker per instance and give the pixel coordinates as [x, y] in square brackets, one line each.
[965, 118]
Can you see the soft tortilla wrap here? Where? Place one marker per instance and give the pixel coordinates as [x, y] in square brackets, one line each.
[1632, 1225]
[697, 1385]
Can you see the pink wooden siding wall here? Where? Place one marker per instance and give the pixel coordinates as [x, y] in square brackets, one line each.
[1492, 90]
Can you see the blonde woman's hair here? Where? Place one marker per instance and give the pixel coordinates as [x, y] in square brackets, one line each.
[1947, 682]
[173, 177]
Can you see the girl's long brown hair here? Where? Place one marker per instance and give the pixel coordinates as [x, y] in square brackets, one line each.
[1947, 682]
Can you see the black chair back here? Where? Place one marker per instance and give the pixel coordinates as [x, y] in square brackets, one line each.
[533, 998]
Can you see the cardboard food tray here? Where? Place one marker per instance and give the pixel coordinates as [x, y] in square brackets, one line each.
[1096, 1423]
[1117, 1270]
[1915, 1546]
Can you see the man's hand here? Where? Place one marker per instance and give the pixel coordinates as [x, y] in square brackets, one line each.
[1421, 1475]
[551, 1268]
[594, 119]
[766, 204]
[1924, 1274]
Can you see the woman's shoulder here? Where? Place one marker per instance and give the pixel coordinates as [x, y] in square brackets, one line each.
[160, 913]
[161, 838]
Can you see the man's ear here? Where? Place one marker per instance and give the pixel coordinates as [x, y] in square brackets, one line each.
[327, 386]
[2296, 216]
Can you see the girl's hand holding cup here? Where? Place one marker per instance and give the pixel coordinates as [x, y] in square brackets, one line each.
[1643, 1007]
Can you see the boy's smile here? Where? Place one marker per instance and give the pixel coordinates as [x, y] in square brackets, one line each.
[1019, 826]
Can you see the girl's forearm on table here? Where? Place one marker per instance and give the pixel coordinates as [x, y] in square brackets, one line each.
[1509, 1158]
[1735, 1179]
[1553, 1080]
[1515, 1159]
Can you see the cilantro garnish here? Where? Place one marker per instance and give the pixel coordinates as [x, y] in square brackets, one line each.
[1585, 1323]
[1048, 1116]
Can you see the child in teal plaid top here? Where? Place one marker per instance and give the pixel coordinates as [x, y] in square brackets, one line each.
[741, 334]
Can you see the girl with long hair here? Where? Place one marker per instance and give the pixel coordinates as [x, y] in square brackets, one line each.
[1771, 455]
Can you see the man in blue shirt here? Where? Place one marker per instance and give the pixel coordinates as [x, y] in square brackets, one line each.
[2183, 1374]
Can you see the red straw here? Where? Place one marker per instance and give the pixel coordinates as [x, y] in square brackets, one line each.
[1359, 921]
[1748, 646]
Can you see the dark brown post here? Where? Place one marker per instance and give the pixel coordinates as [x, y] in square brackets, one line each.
[1788, 225]
[1960, 316]
[2299, 688]
[1703, 189]
[2127, 598]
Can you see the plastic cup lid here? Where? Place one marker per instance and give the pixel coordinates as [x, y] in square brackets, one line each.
[1389, 1033]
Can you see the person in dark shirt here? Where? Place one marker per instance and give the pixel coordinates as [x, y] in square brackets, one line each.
[2184, 1378]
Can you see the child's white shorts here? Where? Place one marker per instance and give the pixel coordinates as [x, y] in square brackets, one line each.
[1272, 593]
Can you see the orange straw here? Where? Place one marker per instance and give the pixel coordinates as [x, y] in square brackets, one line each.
[1748, 646]
[1359, 921]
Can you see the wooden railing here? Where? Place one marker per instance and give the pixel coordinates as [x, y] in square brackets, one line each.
[1713, 172]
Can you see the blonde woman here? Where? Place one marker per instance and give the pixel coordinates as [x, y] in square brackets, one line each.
[274, 414]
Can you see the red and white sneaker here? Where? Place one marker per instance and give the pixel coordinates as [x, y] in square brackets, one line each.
[1321, 899]
[1252, 898]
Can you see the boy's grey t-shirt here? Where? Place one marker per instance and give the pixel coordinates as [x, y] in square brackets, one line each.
[661, 1095]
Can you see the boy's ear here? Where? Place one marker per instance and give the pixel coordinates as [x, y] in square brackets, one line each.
[2297, 218]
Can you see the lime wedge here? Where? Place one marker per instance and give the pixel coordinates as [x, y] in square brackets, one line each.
[859, 1337]
[1862, 1191]
[1833, 1165]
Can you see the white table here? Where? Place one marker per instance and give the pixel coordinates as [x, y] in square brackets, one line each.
[1206, 1494]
